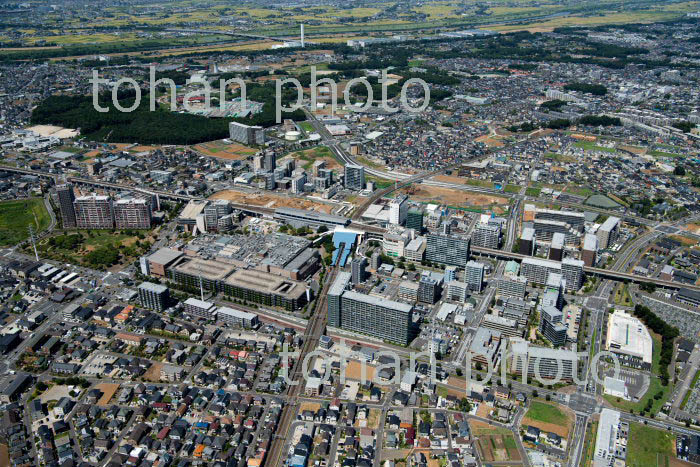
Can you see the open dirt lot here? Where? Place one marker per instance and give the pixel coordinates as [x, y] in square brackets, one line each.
[224, 150]
[354, 371]
[108, 391]
[54, 393]
[312, 406]
[271, 201]
[457, 198]
[153, 373]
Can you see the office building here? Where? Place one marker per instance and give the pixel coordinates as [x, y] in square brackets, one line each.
[474, 276]
[428, 289]
[608, 232]
[527, 242]
[153, 296]
[394, 243]
[414, 220]
[506, 326]
[572, 271]
[512, 286]
[630, 340]
[552, 326]
[246, 134]
[238, 318]
[200, 309]
[589, 251]
[384, 319]
[415, 250]
[340, 285]
[398, 207]
[94, 212]
[66, 197]
[354, 177]
[132, 213]
[556, 248]
[487, 236]
[448, 249]
[358, 267]
[161, 260]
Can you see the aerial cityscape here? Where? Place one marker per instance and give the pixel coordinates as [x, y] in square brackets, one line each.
[427, 233]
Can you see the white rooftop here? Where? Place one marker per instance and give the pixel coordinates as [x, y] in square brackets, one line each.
[627, 335]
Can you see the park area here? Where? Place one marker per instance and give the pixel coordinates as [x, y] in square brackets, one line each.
[458, 199]
[224, 150]
[16, 216]
[96, 248]
[495, 444]
[549, 417]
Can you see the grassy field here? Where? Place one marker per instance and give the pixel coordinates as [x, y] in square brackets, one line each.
[309, 156]
[546, 413]
[533, 191]
[512, 189]
[648, 446]
[622, 295]
[16, 216]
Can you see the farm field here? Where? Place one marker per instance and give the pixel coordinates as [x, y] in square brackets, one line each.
[495, 444]
[17, 215]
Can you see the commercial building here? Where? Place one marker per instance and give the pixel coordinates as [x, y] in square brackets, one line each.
[215, 211]
[556, 248]
[237, 318]
[589, 251]
[94, 212]
[354, 177]
[15, 388]
[266, 289]
[474, 276]
[313, 218]
[611, 439]
[448, 249]
[575, 219]
[394, 242]
[542, 362]
[415, 250]
[398, 208]
[690, 297]
[132, 213]
[527, 241]
[66, 197]
[545, 229]
[630, 340]
[487, 236]
[485, 347]
[246, 134]
[159, 261]
[193, 273]
[414, 220]
[384, 319]
[153, 296]
[200, 308]
[608, 232]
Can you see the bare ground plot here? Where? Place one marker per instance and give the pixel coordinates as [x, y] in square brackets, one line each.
[269, 200]
[4, 455]
[457, 198]
[153, 373]
[353, 371]
[490, 141]
[312, 406]
[108, 391]
[54, 393]
[224, 150]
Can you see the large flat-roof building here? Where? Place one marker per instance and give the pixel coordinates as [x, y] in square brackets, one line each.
[239, 318]
[487, 236]
[132, 213]
[246, 134]
[266, 289]
[590, 250]
[611, 439]
[314, 218]
[200, 308]
[543, 362]
[195, 272]
[527, 242]
[354, 177]
[159, 261]
[629, 339]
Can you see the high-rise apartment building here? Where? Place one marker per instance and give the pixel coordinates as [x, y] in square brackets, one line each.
[590, 250]
[357, 267]
[398, 208]
[527, 242]
[65, 204]
[132, 213]
[487, 236]
[474, 276]
[94, 212]
[153, 296]
[448, 249]
[354, 177]
[608, 232]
